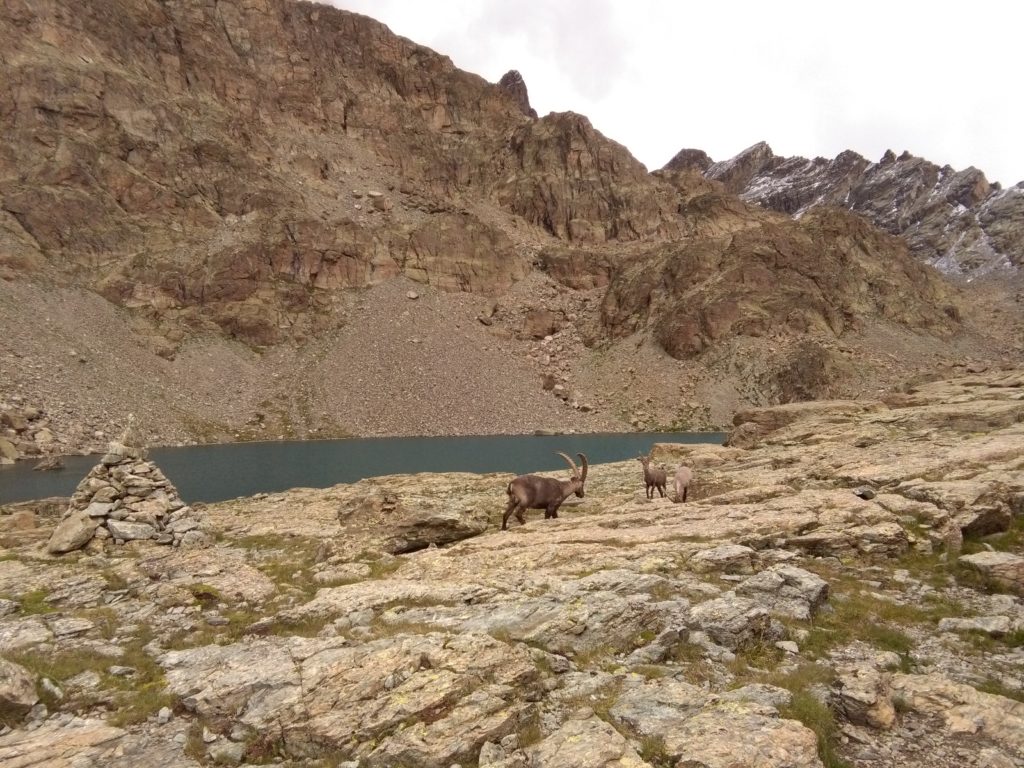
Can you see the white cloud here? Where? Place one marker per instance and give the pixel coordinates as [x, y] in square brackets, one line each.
[811, 78]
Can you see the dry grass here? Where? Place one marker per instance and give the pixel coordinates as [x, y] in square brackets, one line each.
[820, 719]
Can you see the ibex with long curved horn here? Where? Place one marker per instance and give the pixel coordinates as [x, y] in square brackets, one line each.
[535, 492]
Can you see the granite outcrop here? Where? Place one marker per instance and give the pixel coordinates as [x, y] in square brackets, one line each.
[821, 596]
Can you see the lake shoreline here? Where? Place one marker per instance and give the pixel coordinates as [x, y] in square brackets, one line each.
[214, 472]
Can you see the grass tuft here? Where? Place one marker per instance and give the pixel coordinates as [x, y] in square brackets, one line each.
[35, 602]
[819, 718]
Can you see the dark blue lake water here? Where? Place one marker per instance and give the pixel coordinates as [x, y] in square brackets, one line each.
[218, 472]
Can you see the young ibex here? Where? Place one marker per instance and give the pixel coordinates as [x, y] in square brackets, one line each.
[533, 492]
[653, 478]
[682, 480]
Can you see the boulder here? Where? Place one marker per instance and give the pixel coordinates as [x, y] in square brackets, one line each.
[408, 527]
[964, 710]
[49, 464]
[861, 694]
[1005, 568]
[540, 323]
[8, 453]
[127, 531]
[416, 530]
[73, 532]
[17, 689]
[731, 621]
[587, 742]
[727, 558]
[787, 590]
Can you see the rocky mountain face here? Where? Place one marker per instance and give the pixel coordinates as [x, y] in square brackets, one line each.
[206, 176]
[276, 218]
[954, 220]
[843, 586]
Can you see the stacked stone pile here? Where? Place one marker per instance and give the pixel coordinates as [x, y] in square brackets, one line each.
[124, 498]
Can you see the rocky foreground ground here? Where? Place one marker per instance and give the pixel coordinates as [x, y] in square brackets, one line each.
[843, 587]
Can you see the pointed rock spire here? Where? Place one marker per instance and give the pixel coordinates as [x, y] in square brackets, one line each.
[513, 84]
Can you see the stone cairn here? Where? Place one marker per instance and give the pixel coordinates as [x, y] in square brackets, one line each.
[126, 498]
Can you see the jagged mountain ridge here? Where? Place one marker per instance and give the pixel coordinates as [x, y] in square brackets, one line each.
[955, 220]
[246, 172]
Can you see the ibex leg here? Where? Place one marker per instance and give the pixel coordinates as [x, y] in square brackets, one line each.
[512, 504]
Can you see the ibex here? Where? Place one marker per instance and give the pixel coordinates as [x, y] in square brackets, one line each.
[653, 478]
[682, 480]
[534, 492]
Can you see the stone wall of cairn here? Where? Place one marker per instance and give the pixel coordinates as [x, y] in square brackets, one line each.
[126, 498]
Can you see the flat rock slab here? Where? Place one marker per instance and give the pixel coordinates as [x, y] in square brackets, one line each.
[469, 684]
[694, 727]
[965, 710]
[658, 706]
[742, 733]
[224, 568]
[123, 529]
[1004, 567]
[333, 602]
[16, 633]
[559, 624]
[53, 746]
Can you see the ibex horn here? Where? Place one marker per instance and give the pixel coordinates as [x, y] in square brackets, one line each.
[572, 464]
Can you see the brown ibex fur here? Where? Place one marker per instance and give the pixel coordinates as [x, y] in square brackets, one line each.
[653, 478]
[535, 492]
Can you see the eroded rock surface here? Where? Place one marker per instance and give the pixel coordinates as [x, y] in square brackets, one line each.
[778, 618]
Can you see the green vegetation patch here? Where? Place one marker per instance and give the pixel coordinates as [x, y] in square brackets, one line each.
[653, 752]
[819, 718]
[528, 728]
[35, 602]
[286, 560]
[800, 681]
[132, 698]
[999, 688]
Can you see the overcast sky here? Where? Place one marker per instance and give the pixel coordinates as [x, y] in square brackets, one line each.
[940, 79]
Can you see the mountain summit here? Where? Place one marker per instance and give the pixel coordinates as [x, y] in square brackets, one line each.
[954, 220]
